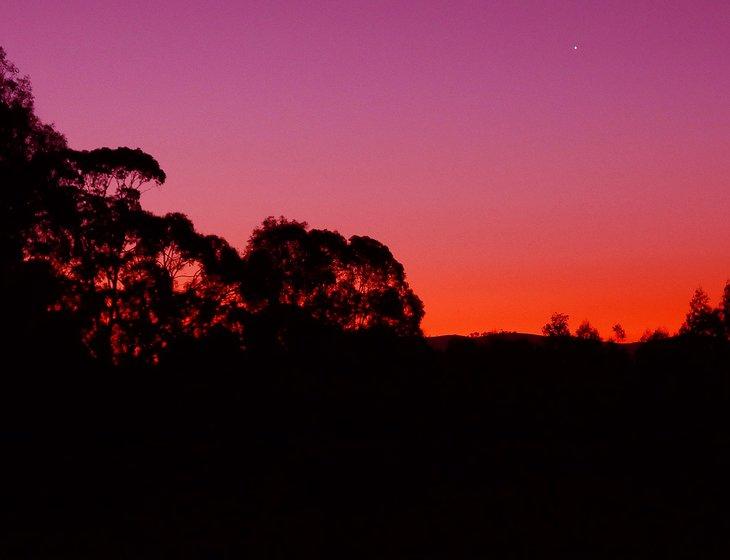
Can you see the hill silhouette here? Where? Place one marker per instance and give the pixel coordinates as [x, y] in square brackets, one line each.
[165, 395]
[443, 341]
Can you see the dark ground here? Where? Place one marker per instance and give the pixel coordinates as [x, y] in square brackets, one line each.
[369, 448]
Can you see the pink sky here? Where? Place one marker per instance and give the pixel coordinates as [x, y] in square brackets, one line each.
[511, 173]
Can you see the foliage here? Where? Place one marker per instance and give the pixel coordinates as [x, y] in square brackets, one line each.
[654, 335]
[618, 332]
[557, 326]
[354, 284]
[586, 331]
[702, 319]
[136, 283]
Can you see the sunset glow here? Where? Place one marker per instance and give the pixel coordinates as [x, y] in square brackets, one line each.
[518, 158]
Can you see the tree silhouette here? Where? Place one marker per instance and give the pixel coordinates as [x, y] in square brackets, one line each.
[702, 319]
[355, 284]
[586, 331]
[116, 284]
[618, 332]
[31, 199]
[27, 175]
[725, 308]
[557, 326]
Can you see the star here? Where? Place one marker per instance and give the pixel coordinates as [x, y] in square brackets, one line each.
[575, 47]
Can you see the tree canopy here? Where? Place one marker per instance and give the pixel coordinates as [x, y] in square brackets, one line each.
[134, 283]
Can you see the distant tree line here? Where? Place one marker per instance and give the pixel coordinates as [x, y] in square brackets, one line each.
[702, 320]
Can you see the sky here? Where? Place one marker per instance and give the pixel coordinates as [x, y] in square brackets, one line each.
[519, 158]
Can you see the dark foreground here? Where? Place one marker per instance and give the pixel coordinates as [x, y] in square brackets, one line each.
[372, 447]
